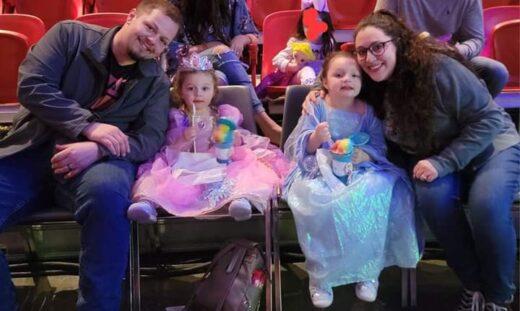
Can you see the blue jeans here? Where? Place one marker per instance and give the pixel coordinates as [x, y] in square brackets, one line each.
[232, 67]
[493, 72]
[481, 251]
[99, 197]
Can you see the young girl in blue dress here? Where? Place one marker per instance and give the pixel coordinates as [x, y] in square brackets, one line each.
[348, 228]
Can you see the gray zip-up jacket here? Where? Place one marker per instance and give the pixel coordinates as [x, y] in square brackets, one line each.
[61, 77]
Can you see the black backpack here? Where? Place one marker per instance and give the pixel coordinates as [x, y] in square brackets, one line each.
[234, 280]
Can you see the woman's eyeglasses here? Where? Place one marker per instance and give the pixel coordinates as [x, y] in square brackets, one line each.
[376, 48]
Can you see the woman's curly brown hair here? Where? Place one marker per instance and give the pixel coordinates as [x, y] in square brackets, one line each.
[409, 91]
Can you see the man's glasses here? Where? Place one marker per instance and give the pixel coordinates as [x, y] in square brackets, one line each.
[376, 48]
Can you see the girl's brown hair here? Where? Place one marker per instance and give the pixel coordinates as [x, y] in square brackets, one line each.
[326, 65]
[178, 80]
[410, 90]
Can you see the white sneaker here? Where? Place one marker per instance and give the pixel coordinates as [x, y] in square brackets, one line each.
[320, 297]
[240, 209]
[143, 212]
[367, 290]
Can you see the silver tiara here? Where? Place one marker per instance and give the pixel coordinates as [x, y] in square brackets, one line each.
[194, 61]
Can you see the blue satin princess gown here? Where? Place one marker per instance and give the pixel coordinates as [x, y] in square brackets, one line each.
[349, 232]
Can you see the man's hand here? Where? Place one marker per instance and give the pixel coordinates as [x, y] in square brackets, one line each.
[360, 156]
[425, 171]
[238, 43]
[109, 136]
[72, 159]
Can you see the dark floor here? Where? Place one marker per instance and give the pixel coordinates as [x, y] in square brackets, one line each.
[438, 289]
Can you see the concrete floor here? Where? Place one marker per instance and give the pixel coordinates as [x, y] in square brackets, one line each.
[438, 289]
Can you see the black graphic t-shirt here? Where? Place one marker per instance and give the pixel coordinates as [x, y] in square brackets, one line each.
[118, 76]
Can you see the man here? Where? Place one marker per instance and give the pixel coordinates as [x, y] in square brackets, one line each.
[460, 23]
[94, 103]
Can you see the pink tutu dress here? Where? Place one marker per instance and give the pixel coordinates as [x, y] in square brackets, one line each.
[185, 183]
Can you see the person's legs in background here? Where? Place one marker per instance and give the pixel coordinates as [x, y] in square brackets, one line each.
[101, 196]
[493, 72]
[230, 64]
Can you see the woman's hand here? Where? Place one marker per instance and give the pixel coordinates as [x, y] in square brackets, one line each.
[425, 171]
[238, 43]
[311, 99]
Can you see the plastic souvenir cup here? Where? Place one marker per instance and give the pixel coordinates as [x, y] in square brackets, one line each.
[339, 163]
[224, 145]
[224, 152]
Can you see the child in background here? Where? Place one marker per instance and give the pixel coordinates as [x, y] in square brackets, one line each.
[189, 176]
[349, 228]
[301, 61]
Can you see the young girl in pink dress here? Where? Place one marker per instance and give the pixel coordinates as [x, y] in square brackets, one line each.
[191, 175]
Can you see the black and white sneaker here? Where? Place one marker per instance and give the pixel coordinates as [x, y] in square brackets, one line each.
[471, 301]
[490, 306]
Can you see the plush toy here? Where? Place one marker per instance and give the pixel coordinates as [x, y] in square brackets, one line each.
[302, 52]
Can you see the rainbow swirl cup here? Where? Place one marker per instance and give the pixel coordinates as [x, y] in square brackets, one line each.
[341, 152]
[223, 138]
[339, 163]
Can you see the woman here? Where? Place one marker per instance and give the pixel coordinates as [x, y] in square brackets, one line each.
[456, 143]
[221, 29]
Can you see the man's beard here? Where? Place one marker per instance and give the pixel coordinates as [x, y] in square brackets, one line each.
[137, 57]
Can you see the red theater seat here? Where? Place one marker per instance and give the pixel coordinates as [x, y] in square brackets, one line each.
[10, 59]
[121, 6]
[492, 17]
[345, 14]
[278, 28]
[107, 20]
[492, 3]
[260, 9]
[50, 11]
[31, 26]
[506, 49]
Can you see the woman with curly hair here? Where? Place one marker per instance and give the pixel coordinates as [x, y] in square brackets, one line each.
[457, 145]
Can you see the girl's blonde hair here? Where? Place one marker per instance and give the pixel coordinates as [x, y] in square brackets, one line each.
[178, 80]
